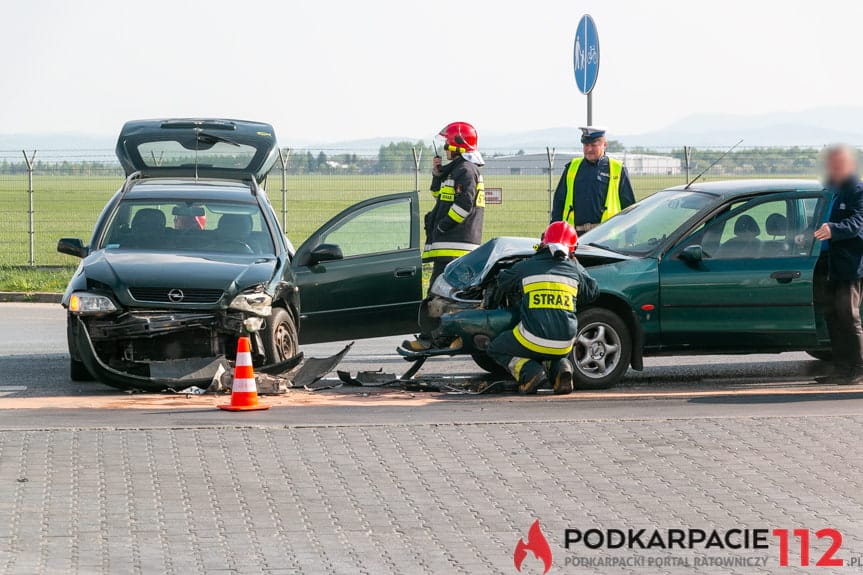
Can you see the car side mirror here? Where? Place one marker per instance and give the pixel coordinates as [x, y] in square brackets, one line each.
[325, 253]
[73, 247]
[692, 254]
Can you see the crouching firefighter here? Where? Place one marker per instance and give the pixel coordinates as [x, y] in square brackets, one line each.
[551, 285]
[454, 225]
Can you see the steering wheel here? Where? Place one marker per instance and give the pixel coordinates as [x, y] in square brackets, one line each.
[243, 246]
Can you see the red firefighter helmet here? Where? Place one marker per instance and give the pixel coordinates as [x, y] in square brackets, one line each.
[560, 236]
[460, 137]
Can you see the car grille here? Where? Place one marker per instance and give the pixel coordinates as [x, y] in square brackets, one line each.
[170, 295]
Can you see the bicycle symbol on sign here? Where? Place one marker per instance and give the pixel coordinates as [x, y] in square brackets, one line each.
[592, 56]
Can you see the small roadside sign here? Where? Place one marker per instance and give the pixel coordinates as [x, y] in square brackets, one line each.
[585, 55]
[493, 196]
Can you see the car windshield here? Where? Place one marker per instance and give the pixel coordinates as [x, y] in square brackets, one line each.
[640, 228]
[189, 226]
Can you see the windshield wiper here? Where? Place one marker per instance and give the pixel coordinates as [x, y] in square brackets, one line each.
[603, 247]
[207, 138]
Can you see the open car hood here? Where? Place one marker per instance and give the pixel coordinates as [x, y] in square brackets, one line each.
[205, 148]
[471, 269]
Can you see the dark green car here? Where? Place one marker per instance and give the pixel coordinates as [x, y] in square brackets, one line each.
[188, 255]
[722, 267]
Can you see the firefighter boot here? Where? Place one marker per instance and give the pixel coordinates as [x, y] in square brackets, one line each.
[531, 377]
[422, 342]
[563, 377]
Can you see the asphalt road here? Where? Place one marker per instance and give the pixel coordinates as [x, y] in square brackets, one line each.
[94, 480]
[33, 373]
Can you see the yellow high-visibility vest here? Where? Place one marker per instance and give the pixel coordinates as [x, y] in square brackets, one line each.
[612, 194]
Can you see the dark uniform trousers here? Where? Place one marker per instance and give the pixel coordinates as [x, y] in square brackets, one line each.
[438, 266]
[520, 361]
[842, 313]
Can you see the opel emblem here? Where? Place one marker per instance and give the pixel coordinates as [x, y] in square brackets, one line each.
[176, 295]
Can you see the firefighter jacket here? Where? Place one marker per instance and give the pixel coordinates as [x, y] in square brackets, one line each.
[454, 226]
[551, 288]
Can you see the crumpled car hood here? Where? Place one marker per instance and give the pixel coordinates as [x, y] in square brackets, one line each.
[124, 269]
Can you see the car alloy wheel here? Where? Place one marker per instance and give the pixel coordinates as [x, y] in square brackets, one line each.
[597, 350]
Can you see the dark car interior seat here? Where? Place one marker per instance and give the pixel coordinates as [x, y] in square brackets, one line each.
[233, 231]
[745, 242]
[147, 229]
[776, 226]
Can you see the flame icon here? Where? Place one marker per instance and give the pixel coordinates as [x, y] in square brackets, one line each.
[537, 543]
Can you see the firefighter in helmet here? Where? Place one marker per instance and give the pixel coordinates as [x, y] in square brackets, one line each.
[551, 284]
[454, 225]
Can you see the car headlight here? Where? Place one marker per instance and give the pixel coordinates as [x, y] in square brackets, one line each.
[85, 303]
[256, 302]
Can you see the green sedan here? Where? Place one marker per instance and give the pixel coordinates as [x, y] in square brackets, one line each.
[720, 267]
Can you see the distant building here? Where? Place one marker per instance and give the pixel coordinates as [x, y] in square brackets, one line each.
[537, 164]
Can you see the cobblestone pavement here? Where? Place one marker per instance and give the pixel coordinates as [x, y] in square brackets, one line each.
[430, 499]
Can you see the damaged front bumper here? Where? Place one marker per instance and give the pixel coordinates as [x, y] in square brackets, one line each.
[154, 352]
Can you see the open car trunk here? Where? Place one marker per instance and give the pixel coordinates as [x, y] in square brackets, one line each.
[205, 148]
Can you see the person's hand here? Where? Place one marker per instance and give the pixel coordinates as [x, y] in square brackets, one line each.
[436, 163]
[824, 232]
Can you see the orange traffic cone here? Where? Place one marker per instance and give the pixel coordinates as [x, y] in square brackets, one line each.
[244, 391]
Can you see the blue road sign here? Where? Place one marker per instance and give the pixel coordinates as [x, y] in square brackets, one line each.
[585, 54]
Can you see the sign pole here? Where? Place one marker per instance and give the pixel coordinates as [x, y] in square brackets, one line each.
[585, 60]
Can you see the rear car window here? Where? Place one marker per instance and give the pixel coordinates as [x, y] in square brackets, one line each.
[172, 154]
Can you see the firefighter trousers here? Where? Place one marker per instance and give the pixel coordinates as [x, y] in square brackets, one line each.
[521, 362]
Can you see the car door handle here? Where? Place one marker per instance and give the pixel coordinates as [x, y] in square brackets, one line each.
[406, 272]
[785, 277]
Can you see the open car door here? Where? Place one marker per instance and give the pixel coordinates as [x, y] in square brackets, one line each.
[360, 274]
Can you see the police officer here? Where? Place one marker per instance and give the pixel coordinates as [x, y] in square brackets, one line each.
[550, 285]
[454, 225]
[843, 237]
[592, 188]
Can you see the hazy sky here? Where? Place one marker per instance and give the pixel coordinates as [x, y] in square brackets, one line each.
[333, 70]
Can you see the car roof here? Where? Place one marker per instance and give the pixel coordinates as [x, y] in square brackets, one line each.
[203, 189]
[731, 188]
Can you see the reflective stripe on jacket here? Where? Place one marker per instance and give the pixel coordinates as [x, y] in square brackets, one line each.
[612, 194]
[454, 225]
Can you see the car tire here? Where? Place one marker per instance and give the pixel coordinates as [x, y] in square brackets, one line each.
[821, 354]
[602, 350]
[483, 360]
[280, 337]
[79, 372]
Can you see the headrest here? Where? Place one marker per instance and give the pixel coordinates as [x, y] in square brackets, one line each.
[746, 224]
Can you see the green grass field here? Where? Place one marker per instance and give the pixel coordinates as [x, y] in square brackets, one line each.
[67, 206]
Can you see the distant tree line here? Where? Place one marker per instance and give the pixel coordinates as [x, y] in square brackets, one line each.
[397, 158]
[767, 161]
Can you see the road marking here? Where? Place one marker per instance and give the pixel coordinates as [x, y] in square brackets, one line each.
[717, 393]
[11, 389]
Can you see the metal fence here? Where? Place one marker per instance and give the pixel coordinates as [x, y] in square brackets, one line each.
[49, 194]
